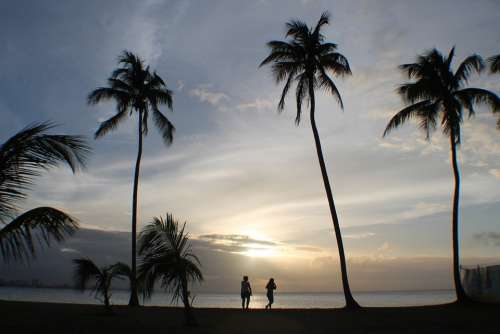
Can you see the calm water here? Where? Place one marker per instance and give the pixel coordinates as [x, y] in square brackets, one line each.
[281, 300]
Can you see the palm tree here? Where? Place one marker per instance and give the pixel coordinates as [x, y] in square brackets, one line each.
[86, 270]
[167, 256]
[308, 60]
[439, 94]
[134, 88]
[495, 68]
[23, 157]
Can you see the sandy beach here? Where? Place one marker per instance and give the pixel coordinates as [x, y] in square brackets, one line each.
[28, 317]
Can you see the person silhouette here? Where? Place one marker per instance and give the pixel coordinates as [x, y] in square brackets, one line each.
[246, 292]
[270, 287]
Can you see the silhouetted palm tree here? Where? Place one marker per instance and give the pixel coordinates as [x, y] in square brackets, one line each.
[22, 158]
[439, 95]
[495, 68]
[86, 270]
[134, 88]
[167, 256]
[308, 60]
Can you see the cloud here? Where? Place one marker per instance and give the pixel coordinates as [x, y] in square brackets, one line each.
[308, 249]
[236, 238]
[180, 85]
[236, 243]
[257, 104]
[495, 172]
[384, 247]
[223, 270]
[356, 236]
[203, 93]
[69, 250]
[489, 238]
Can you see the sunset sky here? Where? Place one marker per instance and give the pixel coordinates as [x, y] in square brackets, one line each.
[244, 177]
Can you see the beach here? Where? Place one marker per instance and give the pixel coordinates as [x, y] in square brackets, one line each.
[31, 317]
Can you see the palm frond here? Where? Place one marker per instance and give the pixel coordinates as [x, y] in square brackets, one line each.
[423, 89]
[494, 64]
[281, 104]
[448, 60]
[26, 154]
[470, 64]
[405, 114]
[280, 51]
[41, 225]
[85, 271]
[111, 123]
[326, 83]
[298, 30]
[336, 63]
[165, 127]
[107, 93]
[301, 94]
[479, 96]
[323, 20]
[121, 269]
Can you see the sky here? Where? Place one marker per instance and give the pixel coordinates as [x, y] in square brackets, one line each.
[245, 178]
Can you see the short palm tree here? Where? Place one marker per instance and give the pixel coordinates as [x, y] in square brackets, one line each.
[167, 256]
[438, 94]
[307, 60]
[23, 157]
[495, 68]
[135, 89]
[86, 270]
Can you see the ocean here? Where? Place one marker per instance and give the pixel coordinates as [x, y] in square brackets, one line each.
[281, 300]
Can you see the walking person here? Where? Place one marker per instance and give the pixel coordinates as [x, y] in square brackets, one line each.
[270, 287]
[246, 292]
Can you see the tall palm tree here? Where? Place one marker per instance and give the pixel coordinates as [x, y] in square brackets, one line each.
[134, 88]
[167, 256]
[437, 94]
[23, 157]
[495, 68]
[307, 60]
[86, 270]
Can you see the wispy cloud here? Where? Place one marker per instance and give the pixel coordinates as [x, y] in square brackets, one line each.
[489, 238]
[495, 172]
[236, 239]
[204, 94]
[359, 235]
[257, 104]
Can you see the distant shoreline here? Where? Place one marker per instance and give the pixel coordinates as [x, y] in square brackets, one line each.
[285, 300]
[237, 292]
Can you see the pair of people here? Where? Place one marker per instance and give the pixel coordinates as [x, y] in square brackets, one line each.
[246, 292]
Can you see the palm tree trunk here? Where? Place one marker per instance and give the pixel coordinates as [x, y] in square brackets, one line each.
[107, 304]
[350, 302]
[134, 299]
[461, 295]
[190, 320]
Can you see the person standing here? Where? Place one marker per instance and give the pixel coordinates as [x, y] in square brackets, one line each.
[270, 287]
[246, 292]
